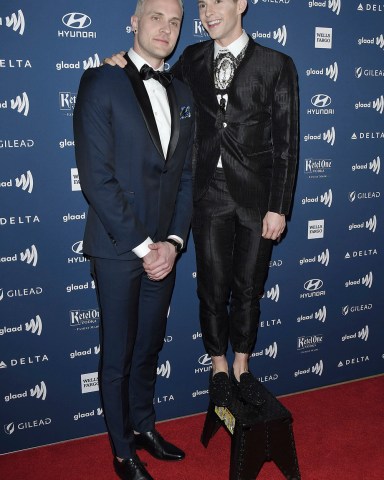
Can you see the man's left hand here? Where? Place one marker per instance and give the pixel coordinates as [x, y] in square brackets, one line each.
[273, 225]
[162, 266]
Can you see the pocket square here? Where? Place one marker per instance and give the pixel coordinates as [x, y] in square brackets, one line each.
[185, 112]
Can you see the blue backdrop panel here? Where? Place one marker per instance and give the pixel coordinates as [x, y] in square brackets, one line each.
[322, 320]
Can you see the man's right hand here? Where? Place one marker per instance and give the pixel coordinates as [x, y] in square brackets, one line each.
[116, 59]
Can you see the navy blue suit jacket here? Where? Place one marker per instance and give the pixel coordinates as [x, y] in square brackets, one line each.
[132, 190]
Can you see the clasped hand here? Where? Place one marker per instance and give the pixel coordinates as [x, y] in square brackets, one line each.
[159, 262]
[273, 225]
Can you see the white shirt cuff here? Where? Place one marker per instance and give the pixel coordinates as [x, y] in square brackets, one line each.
[142, 249]
[178, 239]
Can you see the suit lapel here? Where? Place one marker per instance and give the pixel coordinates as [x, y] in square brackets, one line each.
[144, 103]
[175, 121]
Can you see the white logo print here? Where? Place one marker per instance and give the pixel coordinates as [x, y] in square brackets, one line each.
[281, 35]
[332, 71]
[164, 370]
[330, 136]
[318, 368]
[363, 333]
[323, 258]
[35, 325]
[271, 351]
[380, 41]
[76, 20]
[78, 247]
[321, 314]
[92, 62]
[30, 256]
[375, 165]
[313, 284]
[21, 104]
[378, 104]
[15, 21]
[40, 391]
[273, 294]
[205, 360]
[25, 181]
[368, 280]
[327, 198]
[335, 6]
[321, 100]
[371, 224]
[9, 429]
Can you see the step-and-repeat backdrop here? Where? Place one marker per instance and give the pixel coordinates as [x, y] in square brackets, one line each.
[322, 313]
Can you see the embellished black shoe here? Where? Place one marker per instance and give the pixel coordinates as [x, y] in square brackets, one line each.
[248, 388]
[220, 389]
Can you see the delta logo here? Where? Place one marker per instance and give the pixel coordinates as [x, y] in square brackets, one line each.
[14, 21]
[378, 135]
[370, 7]
[333, 5]
[20, 104]
[280, 35]
[353, 361]
[369, 252]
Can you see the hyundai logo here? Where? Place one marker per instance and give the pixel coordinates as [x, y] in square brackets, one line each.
[205, 360]
[78, 247]
[313, 284]
[76, 20]
[321, 100]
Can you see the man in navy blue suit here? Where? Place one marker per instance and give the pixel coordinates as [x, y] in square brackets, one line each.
[133, 134]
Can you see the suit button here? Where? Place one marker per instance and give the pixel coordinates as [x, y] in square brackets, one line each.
[225, 124]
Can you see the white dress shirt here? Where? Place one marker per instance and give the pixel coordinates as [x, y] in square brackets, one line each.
[160, 107]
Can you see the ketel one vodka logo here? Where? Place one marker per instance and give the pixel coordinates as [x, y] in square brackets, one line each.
[198, 29]
[15, 21]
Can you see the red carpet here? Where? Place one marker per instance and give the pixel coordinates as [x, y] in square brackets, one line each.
[339, 434]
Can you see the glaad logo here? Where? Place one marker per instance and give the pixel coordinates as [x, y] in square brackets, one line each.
[320, 315]
[373, 166]
[77, 22]
[321, 101]
[326, 199]
[317, 369]
[377, 104]
[15, 21]
[270, 351]
[378, 41]
[332, 72]
[322, 258]
[25, 182]
[164, 370]
[352, 196]
[366, 281]
[273, 293]
[280, 35]
[30, 256]
[363, 334]
[39, 391]
[91, 62]
[323, 37]
[329, 136]
[355, 308]
[81, 416]
[334, 5]
[315, 229]
[35, 325]
[198, 29]
[20, 104]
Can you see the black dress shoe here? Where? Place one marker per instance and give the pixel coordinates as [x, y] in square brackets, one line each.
[131, 469]
[220, 389]
[159, 448]
[248, 388]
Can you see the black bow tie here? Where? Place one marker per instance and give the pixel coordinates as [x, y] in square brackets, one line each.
[148, 72]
